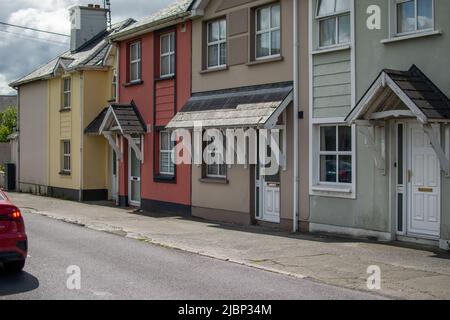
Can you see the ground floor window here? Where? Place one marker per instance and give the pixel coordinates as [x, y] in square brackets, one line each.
[335, 154]
[65, 156]
[166, 151]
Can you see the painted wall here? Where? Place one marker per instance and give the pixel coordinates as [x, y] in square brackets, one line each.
[34, 135]
[231, 202]
[143, 96]
[241, 72]
[96, 161]
[370, 209]
[430, 54]
[65, 125]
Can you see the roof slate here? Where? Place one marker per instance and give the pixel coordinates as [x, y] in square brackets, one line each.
[177, 9]
[128, 116]
[422, 91]
[245, 106]
[93, 53]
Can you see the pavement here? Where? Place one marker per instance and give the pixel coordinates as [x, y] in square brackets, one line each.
[114, 267]
[407, 271]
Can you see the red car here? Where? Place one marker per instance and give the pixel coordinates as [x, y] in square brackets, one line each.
[13, 240]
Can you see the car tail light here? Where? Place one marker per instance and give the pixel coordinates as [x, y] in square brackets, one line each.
[15, 215]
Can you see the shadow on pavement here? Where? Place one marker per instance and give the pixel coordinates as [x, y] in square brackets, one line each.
[17, 283]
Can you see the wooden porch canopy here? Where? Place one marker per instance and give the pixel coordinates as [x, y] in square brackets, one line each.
[122, 119]
[255, 106]
[402, 95]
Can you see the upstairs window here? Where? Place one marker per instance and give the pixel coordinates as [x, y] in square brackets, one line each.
[414, 15]
[166, 152]
[67, 93]
[168, 55]
[114, 86]
[268, 31]
[217, 43]
[334, 22]
[135, 62]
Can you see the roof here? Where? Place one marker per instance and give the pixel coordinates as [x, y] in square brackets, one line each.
[7, 101]
[410, 91]
[92, 54]
[176, 10]
[125, 116]
[237, 107]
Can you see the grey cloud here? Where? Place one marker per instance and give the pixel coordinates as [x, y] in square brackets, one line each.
[19, 56]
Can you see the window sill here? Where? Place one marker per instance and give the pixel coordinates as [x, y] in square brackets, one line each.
[265, 60]
[330, 189]
[62, 173]
[65, 110]
[165, 179]
[214, 180]
[134, 83]
[211, 70]
[412, 36]
[332, 49]
[165, 78]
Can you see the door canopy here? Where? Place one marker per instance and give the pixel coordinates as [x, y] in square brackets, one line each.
[403, 95]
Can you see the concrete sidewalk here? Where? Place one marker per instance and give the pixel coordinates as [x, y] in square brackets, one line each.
[408, 272]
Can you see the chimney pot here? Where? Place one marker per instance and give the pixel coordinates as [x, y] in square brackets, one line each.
[90, 5]
[97, 6]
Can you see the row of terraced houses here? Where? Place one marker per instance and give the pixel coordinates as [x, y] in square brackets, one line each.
[357, 90]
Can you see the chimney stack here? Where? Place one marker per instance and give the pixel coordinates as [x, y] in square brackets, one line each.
[86, 23]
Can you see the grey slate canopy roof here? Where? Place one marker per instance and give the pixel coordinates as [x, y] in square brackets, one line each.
[7, 101]
[92, 54]
[127, 117]
[178, 9]
[424, 93]
[403, 90]
[245, 106]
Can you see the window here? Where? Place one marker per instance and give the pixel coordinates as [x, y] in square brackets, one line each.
[135, 62]
[335, 154]
[268, 33]
[166, 151]
[414, 15]
[334, 22]
[217, 43]
[216, 166]
[67, 88]
[114, 85]
[65, 156]
[168, 55]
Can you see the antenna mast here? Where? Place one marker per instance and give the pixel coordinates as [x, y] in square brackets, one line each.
[107, 6]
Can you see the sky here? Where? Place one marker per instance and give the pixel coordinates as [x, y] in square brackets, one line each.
[22, 51]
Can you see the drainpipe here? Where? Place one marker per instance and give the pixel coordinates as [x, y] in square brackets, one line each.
[81, 135]
[295, 117]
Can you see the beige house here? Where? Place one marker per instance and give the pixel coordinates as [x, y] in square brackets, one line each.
[243, 78]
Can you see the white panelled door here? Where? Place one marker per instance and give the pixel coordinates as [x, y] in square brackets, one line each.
[424, 184]
[272, 202]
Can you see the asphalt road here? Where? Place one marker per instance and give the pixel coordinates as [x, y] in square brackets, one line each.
[114, 267]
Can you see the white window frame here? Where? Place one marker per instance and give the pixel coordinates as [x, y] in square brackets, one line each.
[335, 15]
[270, 30]
[217, 43]
[330, 189]
[218, 165]
[66, 155]
[170, 152]
[67, 93]
[114, 85]
[417, 30]
[136, 61]
[169, 54]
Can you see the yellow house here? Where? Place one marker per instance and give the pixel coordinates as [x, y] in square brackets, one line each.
[58, 101]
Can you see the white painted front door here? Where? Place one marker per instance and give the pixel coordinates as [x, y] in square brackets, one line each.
[271, 202]
[424, 182]
[134, 165]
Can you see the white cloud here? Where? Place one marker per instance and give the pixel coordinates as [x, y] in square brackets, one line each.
[25, 50]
